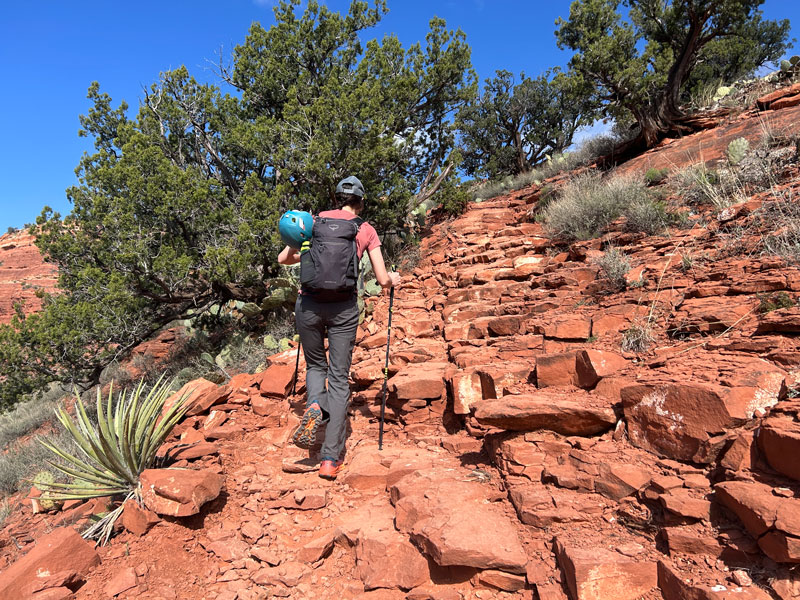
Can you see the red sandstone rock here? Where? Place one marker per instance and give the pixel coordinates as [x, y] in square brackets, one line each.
[467, 391]
[618, 481]
[137, 519]
[454, 524]
[556, 370]
[200, 394]
[386, 559]
[499, 580]
[593, 365]
[179, 492]
[22, 272]
[123, 580]
[773, 521]
[677, 419]
[779, 440]
[62, 551]
[419, 381]
[682, 540]
[544, 410]
[597, 574]
[276, 380]
[765, 102]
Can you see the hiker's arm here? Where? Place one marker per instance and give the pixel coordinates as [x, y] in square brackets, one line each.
[383, 278]
[289, 256]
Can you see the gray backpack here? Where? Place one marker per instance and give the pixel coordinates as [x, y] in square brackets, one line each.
[329, 265]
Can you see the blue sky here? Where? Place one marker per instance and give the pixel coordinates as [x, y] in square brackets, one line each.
[51, 51]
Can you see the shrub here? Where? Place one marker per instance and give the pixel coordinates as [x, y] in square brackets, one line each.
[655, 176]
[588, 204]
[769, 302]
[647, 216]
[116, 451]
[781, 218]
[637, 338]
[614, 266]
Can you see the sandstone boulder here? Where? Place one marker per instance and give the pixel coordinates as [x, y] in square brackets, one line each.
[60, 559]
[779, 440]
[386, 559]
[772, 520]
[544, 410]
[598, 574]
[179, 492]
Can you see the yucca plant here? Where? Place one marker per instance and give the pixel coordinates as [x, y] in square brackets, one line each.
[124, 443]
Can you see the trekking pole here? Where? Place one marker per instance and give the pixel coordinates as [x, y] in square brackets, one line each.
[386, 367]
[296, 368]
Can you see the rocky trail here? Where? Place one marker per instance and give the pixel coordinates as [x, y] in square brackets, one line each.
[526, 455]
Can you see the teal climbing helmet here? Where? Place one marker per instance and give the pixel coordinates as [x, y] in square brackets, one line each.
[295, 227]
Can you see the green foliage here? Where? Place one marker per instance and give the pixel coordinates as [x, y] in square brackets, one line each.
[645, 65]
[775, 301]
[511, 127]
[790, 67]
[116, 452]
[588, 203]
[647, 215]
[654, 176]
[737, 150]
[175, 212]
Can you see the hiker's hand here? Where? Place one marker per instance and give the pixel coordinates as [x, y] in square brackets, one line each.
[395, 278]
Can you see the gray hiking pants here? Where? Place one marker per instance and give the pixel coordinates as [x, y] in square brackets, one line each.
[339, 321]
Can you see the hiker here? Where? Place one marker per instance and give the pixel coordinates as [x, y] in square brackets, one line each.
[320, 312]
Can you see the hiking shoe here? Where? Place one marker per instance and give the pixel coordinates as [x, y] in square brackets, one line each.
[329, 468]
[306, 433]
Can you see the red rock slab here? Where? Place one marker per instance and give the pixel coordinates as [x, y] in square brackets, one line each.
[455, 523]
[544, 410]
[499, 580]
[618, 481]
[387, 559]
[179, 492]
[276, 380]
[779, 441]
[784, 320]
[122, 581]
[137, 519]
[63, 551]
[419, 381]
[680, 503]
[598, 574]
[565, 327]
[710, 146]
[554, 370]
[707, 315]
[676, 587]
[200, 395]
[682, 540]
[467, 391]
[593, 365]
[677, 420]
[773, 521]
[765, 101]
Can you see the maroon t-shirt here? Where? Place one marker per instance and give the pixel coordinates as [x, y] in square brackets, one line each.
[367, 237]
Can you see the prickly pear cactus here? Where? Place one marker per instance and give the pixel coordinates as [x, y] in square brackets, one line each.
[270, 343]
[737, 150]
[371, 288]
[43, 480]
[284, 344]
